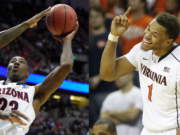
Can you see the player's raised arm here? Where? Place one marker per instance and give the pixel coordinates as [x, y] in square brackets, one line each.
[58, 75]
[112, 68]
[7, 36]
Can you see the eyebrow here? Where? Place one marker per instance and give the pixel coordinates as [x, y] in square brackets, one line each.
[153, 31]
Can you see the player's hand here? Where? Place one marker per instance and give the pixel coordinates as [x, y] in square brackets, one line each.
[120, 23]
[33, 21]
[13, 116]
[68, 37]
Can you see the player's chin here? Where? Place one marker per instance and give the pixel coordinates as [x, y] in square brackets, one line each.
[14, 76]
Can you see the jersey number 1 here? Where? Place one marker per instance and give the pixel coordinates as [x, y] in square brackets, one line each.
[150, 92]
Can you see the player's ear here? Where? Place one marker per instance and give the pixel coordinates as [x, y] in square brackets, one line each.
[28, 74]
[169, 42]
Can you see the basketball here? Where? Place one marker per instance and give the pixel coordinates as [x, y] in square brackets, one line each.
[61, 19]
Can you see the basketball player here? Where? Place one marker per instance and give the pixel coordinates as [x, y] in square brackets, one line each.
[157, 59]
[18, 100]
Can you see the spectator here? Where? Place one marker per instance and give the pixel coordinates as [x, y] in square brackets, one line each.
[99, 37]
[124, 107]
[59, 123]
[173, 7]
[159, 7]
[139, 21]
[50, 122]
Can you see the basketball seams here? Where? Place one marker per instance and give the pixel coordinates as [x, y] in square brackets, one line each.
[53, 20]
[65, 19]
[61, 20]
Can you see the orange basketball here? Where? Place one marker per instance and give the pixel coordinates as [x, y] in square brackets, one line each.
[61, 19]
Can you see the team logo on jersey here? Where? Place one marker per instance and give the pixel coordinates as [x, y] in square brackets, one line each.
[158, 78]
[25, 86]
[166, 69]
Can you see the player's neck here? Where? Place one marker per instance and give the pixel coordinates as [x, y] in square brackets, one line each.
[138, 14]
[9, 81]
[163, 51]
[99, 31]
[127, 87]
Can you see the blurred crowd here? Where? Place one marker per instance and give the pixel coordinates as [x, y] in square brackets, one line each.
[46, 125]
[65, 109]
[37, 45]
[43, 125]
[101, 14]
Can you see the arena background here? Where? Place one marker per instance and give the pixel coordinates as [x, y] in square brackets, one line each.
[67, 110]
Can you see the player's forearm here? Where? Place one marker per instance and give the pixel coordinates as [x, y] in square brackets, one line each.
[108, 61]
[7, 36]
[67, 55]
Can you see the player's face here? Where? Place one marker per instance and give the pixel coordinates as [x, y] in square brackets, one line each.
[101, 129]
[96, 19]
[155, 37]
[17, 69]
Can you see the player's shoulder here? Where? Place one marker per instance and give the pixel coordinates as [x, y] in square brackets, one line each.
[175, 53]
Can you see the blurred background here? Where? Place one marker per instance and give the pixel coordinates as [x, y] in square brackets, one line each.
[101, 13]
[67, 110]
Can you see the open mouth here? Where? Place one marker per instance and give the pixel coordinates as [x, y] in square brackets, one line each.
[146, 42]
[15, 68]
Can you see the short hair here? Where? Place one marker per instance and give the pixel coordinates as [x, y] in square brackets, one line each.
[111, 124]
[171, 24]
[99, 10]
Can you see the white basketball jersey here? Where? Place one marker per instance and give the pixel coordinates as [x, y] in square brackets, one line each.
[18, 97]
[159, 78]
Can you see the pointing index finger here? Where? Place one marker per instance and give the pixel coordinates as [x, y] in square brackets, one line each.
[127, 12]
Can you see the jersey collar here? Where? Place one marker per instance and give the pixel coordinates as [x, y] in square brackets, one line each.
[162, 57]
[15, 83]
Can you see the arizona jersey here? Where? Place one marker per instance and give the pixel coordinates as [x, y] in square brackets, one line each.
[159, 81]
[19, 97]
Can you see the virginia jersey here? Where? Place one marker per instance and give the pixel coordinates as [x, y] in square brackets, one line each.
[19, 97]
[159, 81]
